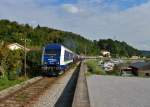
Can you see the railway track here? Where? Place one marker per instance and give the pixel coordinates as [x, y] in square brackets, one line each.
[64, 91]
[27, 96]
[23, 97]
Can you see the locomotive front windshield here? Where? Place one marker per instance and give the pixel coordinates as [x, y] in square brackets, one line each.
[52, 52]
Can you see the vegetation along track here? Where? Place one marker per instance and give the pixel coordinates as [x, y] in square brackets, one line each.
[26, 96]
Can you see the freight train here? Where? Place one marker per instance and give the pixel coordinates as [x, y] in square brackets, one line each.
[57, 58]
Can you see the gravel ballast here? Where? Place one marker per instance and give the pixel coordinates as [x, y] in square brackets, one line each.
[51, 96]
[112, 91]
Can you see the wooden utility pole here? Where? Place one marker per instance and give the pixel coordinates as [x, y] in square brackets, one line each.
[85, 50]
[25, 54]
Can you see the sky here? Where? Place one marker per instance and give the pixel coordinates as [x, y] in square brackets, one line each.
[123, 20]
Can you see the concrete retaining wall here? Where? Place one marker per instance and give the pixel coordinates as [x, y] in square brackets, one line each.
[81, 96]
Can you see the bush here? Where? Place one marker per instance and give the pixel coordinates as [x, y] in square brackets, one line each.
[34, 63]
[12, 75]
[93, 68]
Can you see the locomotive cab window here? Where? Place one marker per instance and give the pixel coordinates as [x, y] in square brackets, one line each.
[52, 52]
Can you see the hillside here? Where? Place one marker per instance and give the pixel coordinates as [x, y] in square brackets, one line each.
[117, 48]
[145, 53]
[39, 36]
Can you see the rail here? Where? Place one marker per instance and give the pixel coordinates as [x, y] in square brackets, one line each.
[81, 96]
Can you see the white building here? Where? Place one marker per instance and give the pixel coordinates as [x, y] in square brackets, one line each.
[135, 57]
[108, 66]
[105, 53]
[16, 46]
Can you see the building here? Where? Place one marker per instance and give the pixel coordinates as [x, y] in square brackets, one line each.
[16, 46]
[135, 57]
[105, 53]
[108, 66]
[140, 68]
[126, 71]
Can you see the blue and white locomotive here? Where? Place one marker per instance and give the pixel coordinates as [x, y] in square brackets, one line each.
[56, 58]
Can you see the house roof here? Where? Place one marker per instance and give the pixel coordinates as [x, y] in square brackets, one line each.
[18, 45]
[141, 65]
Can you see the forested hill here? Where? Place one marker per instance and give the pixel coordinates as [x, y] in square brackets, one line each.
[117, 48]
[145, 53]
[37, 37]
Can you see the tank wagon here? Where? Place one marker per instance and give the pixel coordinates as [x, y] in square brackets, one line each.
[56, 59]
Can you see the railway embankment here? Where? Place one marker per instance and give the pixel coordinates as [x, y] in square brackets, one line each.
[61, 93]
[68, 90]
[6, 92]
[42, 91]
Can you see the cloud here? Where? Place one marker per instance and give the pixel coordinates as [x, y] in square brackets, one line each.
[88, 18]
[70, 8]
[130, 25]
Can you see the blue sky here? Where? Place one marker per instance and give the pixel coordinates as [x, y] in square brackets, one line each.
[55, 2]
[125, 4]
[122, 4]
[126, 20]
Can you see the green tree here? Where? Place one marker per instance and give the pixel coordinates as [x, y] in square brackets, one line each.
[14, 63]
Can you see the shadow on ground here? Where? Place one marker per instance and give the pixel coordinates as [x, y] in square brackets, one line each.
[66, 97]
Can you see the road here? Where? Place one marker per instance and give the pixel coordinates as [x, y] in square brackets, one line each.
[112, 91]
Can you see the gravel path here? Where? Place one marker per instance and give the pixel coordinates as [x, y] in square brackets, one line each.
[50, 97]
[111, 91]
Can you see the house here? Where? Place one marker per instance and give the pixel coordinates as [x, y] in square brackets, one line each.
[16, 46]
[105, 53]
[126, 71]
[140, 68]
[135, 57]
[108, 66]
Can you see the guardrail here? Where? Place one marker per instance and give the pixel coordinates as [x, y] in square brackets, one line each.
[81, 96]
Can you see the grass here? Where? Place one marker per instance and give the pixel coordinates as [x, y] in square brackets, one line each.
[93, 68]
[5, 82]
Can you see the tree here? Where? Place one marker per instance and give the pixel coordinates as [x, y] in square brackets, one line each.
[14, 63]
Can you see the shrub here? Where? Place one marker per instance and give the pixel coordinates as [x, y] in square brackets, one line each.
[34, 62]
[93, 68]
